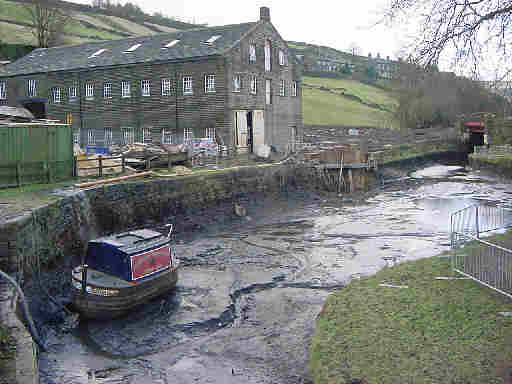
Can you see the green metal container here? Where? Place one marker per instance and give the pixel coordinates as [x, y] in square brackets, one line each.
[35, 153]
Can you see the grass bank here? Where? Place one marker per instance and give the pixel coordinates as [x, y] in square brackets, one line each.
[433, 331]
[347, 102]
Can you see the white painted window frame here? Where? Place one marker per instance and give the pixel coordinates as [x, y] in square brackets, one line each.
[166, 86]
[168, 136]
[209, 83]
[89, 90]
[268, 56]
[145, 88]
[294, 88]
[125, 89]
[282, 87]
[210, 133]
[188, 85]
[32, 88]
[188, 134]
[56, 95]
[146, 135]
[72, 93]
[252, 53]
[108, 138]
[91, 137]
[107, 90]
[237, 83]
[128, 135]
[282, 58]
[254, 84]
[3, 90]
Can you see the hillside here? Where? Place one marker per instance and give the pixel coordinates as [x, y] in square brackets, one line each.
[348, 102]
[86, 24]
[326, 101]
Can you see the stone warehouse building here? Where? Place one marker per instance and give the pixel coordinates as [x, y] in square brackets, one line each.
[236, 83]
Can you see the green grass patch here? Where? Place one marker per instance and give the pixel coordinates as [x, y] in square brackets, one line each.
[15, 11]
[434, 331]
[367, 93]
[325, 108]
[6, 344]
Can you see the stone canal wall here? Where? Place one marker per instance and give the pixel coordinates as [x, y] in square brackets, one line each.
[60, 230]
[496, 166]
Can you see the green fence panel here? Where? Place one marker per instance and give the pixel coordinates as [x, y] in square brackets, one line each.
[35, 153]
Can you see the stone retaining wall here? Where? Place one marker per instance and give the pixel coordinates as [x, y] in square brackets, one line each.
[54, 232]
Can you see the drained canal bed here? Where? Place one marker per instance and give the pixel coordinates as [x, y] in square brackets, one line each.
[250, 290]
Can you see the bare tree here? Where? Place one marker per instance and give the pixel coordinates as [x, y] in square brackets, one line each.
[354, 49]
[471, 30]
[48, 22]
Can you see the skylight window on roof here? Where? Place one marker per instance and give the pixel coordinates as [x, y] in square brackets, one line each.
[133, 48]
[212, 39]
[171, 44]
[97, 53]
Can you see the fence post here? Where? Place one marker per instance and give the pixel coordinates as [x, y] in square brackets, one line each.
[100, 165]
[122, 163]
[169, 160]
[18, 173]
[476, 224]
[46, 170]
[75, 166]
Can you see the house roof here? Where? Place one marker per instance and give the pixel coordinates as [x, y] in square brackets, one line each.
[192, 43]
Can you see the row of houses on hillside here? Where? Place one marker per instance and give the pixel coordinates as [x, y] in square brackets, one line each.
[235, 83]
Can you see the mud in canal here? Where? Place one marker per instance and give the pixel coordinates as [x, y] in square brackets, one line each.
[250, 289]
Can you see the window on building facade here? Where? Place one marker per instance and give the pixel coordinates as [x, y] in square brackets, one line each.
[237, 83]
[91, 138]
[166, 87]
[125, 89]
[282, 88]
[32, 88]
[268, 92]
[209, 83]
[254, 84]
[89, 90]
[210, 133]
[76, 136]
[72, 93]
[187, 85]
[107, 90]
[145, 87]
[252, 53]
[55, 91]
[108, 137]
[146, 135]
[294, 88]
[268, 56]
[168, 136]
[128, 135]
[282, 58]
[3, 90]
[188, 134]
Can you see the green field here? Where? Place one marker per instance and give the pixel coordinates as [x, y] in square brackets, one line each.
[347, 102]
[433, 331]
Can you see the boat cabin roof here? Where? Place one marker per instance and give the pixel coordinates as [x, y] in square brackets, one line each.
[132, 241]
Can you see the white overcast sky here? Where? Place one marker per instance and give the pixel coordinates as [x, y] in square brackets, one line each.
[336, 24]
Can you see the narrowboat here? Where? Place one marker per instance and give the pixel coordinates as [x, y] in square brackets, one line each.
[122, 271]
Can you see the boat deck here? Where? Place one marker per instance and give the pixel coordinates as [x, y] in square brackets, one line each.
[101, 279]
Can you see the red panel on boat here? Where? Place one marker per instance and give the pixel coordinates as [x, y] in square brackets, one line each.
[144, 264]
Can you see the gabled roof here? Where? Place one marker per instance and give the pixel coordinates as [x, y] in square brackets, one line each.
[192, 43]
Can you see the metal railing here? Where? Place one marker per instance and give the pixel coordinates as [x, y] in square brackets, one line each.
[493, 151]
[485, 262]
